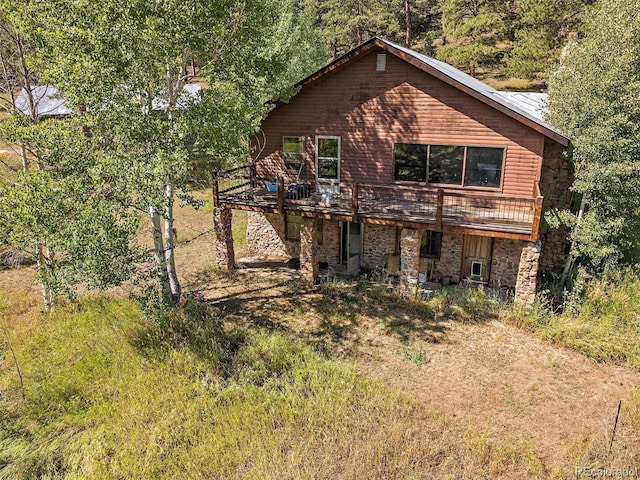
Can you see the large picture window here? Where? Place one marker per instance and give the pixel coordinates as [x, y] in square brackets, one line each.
[445, 164]
[328, 158]
[449, 164]
[484, 167]
[410, 162]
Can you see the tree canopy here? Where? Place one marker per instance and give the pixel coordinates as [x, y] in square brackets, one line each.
[594, 100]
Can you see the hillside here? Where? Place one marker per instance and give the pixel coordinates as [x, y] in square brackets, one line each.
[269, 379]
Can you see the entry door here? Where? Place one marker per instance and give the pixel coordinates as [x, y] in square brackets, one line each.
[476, 258]
[351, 244]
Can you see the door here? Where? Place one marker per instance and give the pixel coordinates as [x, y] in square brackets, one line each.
[351, 246]
[476, 258]
[328, 164]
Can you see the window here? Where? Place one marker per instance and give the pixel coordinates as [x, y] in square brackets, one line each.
[430, 244]
[449, 164]
[484, 167]
[292, 227]
[293, 148]
[328, 158]
[445, 164]
[410, 162]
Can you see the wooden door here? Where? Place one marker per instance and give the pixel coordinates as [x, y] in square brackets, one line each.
[476, 258]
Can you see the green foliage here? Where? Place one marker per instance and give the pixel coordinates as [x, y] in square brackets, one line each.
[540, 30]
[473, 28]
[346, 24]
[594, 101]
[599, 319]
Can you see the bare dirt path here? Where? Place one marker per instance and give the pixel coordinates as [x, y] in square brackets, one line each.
[488, 374]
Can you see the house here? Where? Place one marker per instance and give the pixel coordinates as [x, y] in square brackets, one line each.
[387, 158]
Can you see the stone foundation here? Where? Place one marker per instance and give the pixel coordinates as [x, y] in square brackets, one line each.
[223, 243]
[450, 257]
[266, 236]
[505, 261]
[329, 250]
[379, 241]
[409, 258]
[528, 274]
[309, 236]
[556, 178]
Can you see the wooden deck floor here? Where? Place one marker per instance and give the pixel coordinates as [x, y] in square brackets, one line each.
[512, 217]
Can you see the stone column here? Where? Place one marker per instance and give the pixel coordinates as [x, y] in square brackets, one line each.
[409, 258]
[225, 256]
[309, 238]
[528, 274]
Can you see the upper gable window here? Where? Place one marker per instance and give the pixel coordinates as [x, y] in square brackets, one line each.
[293, 149]
[449, 164]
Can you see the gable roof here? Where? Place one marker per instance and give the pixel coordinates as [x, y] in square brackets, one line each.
[524, 107]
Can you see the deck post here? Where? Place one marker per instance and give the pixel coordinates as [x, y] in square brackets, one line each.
[354, 202]
[309, 240]
[526, 282]
[409, 259]
[537, 215]
[223, 243]
[215, 189]
[280, 194]
[439, 208]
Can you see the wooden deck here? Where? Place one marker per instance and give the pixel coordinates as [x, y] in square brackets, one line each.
[476, 213]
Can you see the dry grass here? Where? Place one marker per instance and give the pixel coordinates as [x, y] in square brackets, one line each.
[454, 354]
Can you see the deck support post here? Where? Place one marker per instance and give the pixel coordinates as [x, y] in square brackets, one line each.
[409, 259]
[309, 239]
[223, 243]
[439, 208]
[528, 274]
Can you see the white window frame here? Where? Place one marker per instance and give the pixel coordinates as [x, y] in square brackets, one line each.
[318, 158]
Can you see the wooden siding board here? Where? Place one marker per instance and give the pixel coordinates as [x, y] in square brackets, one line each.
[371, 110]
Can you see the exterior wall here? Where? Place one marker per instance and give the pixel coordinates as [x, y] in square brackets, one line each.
[266, 236]
[372, 110]
[450, 261]
[505, 261]
[329, 250]
[379, 241]
[555, 180]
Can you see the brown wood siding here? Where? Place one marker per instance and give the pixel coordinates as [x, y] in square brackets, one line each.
[372, 110]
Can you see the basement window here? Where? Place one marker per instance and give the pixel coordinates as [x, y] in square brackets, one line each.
[431, 244]
[292, 227]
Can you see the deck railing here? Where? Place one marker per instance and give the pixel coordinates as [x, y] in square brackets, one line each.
[490, 211]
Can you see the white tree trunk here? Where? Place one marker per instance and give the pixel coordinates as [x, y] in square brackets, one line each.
[158, 252]
[44, 263]
[170, 244]
[25, 160]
